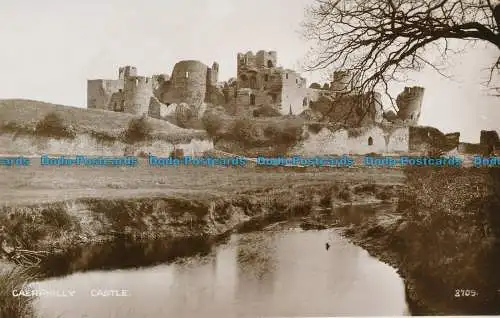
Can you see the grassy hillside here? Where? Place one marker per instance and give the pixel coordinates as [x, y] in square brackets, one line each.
[22, 116]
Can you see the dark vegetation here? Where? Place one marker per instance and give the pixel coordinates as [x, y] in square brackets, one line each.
[245, 134]
[138, 130]
[447, 240]
[10, 306]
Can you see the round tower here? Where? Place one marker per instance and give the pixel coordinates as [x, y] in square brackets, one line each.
[138, 92]
[189, 82]
[214, 74]
[409, 104]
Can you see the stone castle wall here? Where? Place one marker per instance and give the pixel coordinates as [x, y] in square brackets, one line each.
[369, 140]
[99, 93]
[294, 93]
[269, 84]
[88, 145]
[262, 59]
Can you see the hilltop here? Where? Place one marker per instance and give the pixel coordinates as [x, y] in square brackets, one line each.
[22, 116]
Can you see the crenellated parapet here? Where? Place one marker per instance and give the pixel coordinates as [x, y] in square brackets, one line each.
[138, 91]
[261, 60]
[125, 72]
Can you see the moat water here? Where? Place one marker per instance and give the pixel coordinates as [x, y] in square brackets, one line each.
[279, 271]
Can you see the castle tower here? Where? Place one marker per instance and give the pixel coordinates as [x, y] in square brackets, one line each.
[409, 104]
[189, 82]
[214, 74]
[245, 61]
[138, 91]
[341, 82]
[126, 72]
[265, 59]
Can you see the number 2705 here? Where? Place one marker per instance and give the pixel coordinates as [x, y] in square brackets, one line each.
[465, 293]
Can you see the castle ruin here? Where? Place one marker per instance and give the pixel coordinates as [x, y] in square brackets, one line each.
[189, 83]
[259, 81]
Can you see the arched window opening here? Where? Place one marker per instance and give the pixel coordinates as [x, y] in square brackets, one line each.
[370, 141]
[252, 99]
[253, 82]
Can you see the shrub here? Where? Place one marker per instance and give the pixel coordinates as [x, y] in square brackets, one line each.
[291, 133]
[245, 131]
[212, 123]
[271, 131]
[57, 217]
[266, 111]
[138, 129]
[346, 194]
[315, 128]
[52, 125]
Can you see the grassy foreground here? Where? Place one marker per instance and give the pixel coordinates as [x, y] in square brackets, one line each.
[14, 307]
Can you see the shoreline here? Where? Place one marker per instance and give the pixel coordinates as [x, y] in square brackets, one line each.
[61, 226]
[400, 237]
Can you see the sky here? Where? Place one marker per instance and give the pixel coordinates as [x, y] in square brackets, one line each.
[50, 48]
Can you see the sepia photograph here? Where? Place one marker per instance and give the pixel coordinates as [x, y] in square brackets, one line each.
[227, 158]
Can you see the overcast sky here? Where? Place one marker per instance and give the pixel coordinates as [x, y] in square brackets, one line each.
[50, 48]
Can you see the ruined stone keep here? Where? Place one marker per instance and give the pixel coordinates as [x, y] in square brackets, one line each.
[259, 82]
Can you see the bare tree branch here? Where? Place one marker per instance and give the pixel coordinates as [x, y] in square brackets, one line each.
[381, 40]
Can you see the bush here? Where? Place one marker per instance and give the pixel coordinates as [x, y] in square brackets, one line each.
[245, 131]
[52, 125]
[291, 133]
[212, 123]
[266, 111]
[315, 128]
[138, 129]
[272, 131]
[57, 217]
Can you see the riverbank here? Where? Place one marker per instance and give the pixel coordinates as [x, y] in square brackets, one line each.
[443, 239]
[204, 203]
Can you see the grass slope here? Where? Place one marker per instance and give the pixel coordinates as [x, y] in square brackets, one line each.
[25, 114]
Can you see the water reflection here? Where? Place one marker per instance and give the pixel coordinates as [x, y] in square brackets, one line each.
[281, 273]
